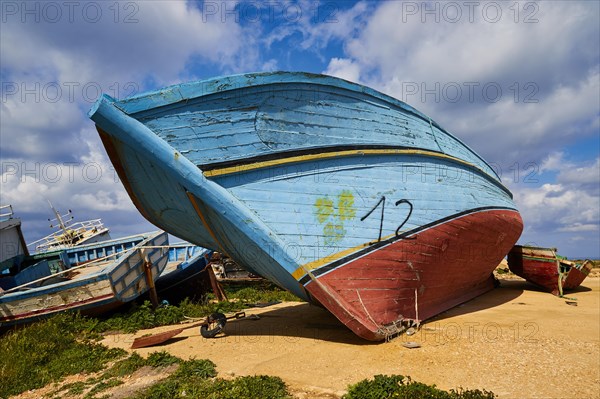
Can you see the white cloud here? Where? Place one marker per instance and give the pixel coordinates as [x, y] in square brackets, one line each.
[578, 227]
[319, 24]
[159, 45]
[90, 183]
[546, 62]
[581, 175]
[557, 207]
[344, 68]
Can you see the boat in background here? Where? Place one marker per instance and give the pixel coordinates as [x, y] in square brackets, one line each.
[342, 195]
[546, 269]
[225, 269]
[13, 248]
[183, 276]
[70, 234]
[91, 279]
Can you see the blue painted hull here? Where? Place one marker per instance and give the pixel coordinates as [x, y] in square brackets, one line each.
[291, 173]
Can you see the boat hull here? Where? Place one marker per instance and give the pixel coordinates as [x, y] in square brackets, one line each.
[183, 277]
[318, 187]
[91, 292]
[542, 267]
[439, 268]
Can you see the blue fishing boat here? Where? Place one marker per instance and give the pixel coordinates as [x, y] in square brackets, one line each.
[341, 194]
[183, 276]
[91, 279]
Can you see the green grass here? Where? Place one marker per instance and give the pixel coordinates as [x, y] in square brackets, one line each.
[195, 379]
[47, 351]
[260, 291]
[103, 386]
[125, 367]
[401, 387]
[138, 317]
[161, 359]
[64, 345]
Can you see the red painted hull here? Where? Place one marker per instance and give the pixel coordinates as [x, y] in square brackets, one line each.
[539, 266]
[433, 271]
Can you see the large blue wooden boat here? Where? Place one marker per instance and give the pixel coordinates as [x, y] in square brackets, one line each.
[339, 193]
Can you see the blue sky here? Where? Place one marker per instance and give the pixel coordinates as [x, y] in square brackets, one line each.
[516, 81]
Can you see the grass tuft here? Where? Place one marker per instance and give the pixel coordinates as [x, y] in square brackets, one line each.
[162, 359]
[398, 386]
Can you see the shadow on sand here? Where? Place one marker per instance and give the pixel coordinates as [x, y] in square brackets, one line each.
[525, 285]
[506, 292]
[294, 322]
[312, 322]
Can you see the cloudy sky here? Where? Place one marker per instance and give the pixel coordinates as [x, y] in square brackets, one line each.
[516, 81]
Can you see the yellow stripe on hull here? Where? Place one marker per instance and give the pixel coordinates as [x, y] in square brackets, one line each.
[328, 155]
[308, 267]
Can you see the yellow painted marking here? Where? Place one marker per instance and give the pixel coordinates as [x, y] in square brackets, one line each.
[307, 267]
[324, 209]
[346, 209]
[312, 157]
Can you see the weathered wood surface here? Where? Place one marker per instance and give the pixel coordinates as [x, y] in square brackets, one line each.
[541, 266]
[90, 289]
[294, 175]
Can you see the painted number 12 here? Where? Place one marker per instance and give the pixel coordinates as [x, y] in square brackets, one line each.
[382, 203]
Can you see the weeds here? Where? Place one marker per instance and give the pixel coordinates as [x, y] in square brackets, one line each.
[398, 386]
[193, 379]
[143, 316]
[47, 351]
[103, 386]
[125, 367]
[162, 359]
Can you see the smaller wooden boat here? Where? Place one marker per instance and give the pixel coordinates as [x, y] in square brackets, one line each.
[544, 268]
[182, 277]
[105, 276]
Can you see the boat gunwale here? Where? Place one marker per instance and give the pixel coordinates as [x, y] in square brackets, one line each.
[517, 247]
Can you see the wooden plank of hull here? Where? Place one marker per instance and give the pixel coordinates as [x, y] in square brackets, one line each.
[443, 280]
[542, 273]
[576, 276]
[77, 297]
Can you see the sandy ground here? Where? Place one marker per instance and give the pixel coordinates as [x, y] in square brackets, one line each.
[516, 341]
